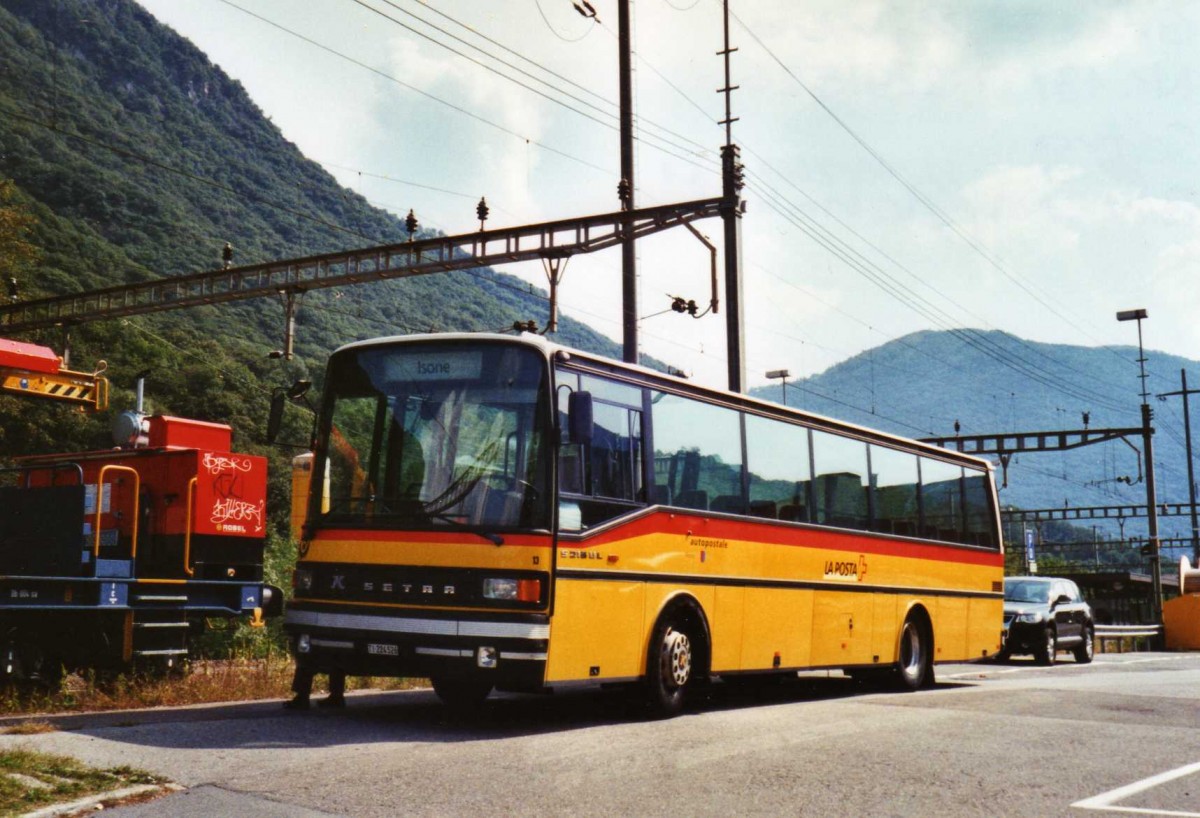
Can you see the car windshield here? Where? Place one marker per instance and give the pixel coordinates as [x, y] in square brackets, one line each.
[428, 436]
[1026, 591]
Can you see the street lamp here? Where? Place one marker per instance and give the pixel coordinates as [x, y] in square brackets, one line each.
[783, 375]
[1148, 448]
[1137, 315]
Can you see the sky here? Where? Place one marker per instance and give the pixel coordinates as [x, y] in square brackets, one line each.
[1022, 166]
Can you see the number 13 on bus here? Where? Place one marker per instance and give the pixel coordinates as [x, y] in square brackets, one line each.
[504, 513]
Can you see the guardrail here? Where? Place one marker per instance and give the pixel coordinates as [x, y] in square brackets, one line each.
[1134, 633]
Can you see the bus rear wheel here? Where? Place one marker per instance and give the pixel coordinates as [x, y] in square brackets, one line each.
[914, 664]
[462, 692]
[670, 667]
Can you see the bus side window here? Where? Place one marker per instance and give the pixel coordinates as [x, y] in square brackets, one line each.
[605, 477]
[941, 500]
[841, 481]
[698, 453]
[778, 465]
[894, 482]
[976, 498]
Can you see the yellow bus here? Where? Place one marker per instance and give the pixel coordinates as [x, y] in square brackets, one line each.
[499, 512]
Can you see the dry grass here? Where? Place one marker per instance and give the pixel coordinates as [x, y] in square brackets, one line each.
[29, 728]
[206, 682]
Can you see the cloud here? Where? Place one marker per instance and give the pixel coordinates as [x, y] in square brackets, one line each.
[1030, 205]
[1102, 37]
[918, 47]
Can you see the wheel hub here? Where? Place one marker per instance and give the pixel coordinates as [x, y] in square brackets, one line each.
[677, 658]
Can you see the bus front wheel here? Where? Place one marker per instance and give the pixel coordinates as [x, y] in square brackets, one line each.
[914, 666]
[461, 692]
[671, 666]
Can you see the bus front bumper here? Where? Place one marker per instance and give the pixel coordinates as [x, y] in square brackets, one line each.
[512, 648]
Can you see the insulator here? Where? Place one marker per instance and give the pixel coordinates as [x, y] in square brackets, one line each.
[410, 222]
[692, 309]
[481, 210]
[678, 304]
[623, 190]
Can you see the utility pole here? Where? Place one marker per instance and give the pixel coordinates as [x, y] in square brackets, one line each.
[731, 214]
[629, 299]
[1152, 546]
[1184, 392]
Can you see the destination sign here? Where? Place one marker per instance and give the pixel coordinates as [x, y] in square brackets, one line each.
[436, 366]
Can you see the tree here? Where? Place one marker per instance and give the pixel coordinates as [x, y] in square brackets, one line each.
[16, 254]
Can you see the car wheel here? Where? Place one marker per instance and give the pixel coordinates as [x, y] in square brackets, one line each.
[914, 665]
[1087, 648]
[1046, 652]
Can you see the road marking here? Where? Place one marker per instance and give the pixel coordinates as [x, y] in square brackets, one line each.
[1114, 662]
[1105, 801]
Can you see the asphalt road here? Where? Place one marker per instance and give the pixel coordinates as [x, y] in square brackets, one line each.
[1120, 735]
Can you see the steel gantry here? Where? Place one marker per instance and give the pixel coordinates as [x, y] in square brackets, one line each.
[1007, 444]
[293, 277]
[1039, 515]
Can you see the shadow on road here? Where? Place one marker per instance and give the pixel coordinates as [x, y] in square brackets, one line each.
[418, 716]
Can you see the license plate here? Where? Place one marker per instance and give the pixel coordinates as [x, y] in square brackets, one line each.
[383, 650]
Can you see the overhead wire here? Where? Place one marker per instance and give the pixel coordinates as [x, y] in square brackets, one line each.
[1032, 348]
[940, 214]
[671, 148]
[432, 97]
[553, 30]
[855, 261]
[641, 120]
[1022, 342]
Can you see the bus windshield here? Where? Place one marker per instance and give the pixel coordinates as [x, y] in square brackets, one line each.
[430, 436]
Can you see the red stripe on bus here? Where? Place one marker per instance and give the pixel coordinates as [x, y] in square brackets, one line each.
[439, 537]
[718, 528]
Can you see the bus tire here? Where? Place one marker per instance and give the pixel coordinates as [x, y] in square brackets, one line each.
[671, 665]
[914, 661]
[462, 691]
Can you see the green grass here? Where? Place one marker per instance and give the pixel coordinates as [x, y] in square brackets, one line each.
[64, 779]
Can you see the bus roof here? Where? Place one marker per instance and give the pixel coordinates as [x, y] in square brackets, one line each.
[550, 350]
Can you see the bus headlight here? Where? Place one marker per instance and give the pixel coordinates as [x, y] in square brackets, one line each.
[510, 589]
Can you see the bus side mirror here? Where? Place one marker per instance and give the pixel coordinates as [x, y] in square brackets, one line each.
[275, 417]
[579, 417]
